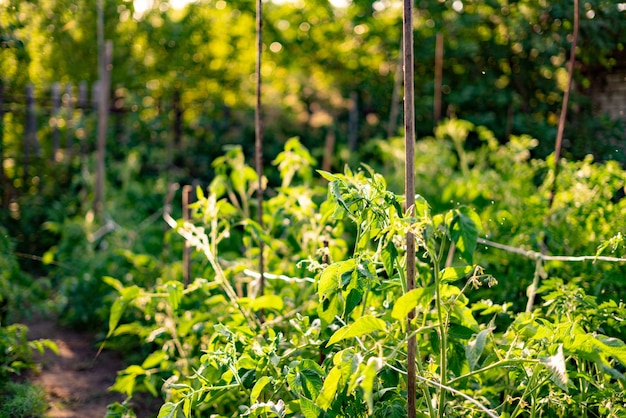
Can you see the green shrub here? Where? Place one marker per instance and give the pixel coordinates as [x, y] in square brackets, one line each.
[22, 400]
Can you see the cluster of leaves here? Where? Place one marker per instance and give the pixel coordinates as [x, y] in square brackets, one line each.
[334, 344]
[503, 66]
[22, 400]
[128, 241]
[464, 164]
[16, 351]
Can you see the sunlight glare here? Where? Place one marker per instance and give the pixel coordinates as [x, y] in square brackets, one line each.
[141, 6]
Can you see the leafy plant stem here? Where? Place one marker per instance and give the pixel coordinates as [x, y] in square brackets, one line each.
[527, 391]
[425, 390]
[532, 289]
[583, 387]
[443, 331]
[498, 364]
[402, 274]
[449, 389]
[187, 232]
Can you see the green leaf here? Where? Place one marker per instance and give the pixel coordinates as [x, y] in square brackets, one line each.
[364, 325]
[113, 282]
[154, 359]
[187, 407]
[119, 306]
[422, 208]
[328, 176]
[258, 388]
[330, 308]
[374, 364]
[410, 300]
[149, 384]
[474, 348]
[124, 383]
[174, 291]
[267, 302]
[330, 280]
[452, 274]
[336, 193]
[388, 254]
[352, 300]
[556, 366]
[329, 390]
[309, 409]
[464, 227]
[306, 379]
[168, 410]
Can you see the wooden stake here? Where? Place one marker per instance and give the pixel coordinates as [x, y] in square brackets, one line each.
[69, 119]
[54, 118]
[258, 148]
[409, 191]
[561, 127]
[31, 146]
[4, 182]
[395, 100]
[103, 119]
[187, 190]
[438, 77]
[353, 121]
[329, 149]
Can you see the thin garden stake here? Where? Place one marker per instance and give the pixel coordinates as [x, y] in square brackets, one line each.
[258, 127]
[187, 189]
[438, 77]
[532, 289]
[409, 191]
[561, 127]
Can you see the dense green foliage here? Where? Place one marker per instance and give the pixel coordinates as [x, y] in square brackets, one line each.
[504, 328]
[327, 339]
[16, 351]
[22, 400]
[504, 66]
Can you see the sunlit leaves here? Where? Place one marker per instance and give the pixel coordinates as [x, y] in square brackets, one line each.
[329, 389]
[474, 349]
[363, 325]
[127, 295]
[420, 297]
[556, 366]
[464, 225]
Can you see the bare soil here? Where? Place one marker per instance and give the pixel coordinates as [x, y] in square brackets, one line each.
[76, 380]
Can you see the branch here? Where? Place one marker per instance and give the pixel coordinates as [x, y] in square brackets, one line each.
[535, 255]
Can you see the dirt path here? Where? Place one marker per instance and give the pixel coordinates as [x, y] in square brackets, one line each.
[76, 381]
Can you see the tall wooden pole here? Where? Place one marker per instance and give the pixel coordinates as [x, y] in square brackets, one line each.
[31, 146]
[103, 120]
[562, 117]
[187, 249]
[258, 148]
[54, 122]
[105, 52]
[438, 77]
[3, 180]
[69, 123]
[395, 100]
[409, 190]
